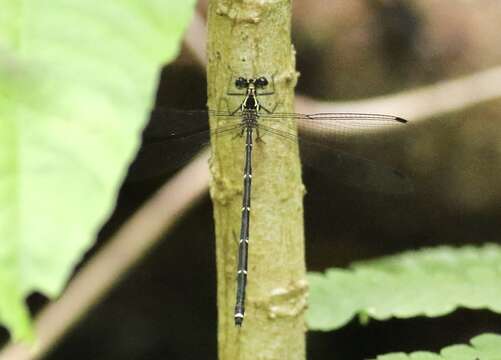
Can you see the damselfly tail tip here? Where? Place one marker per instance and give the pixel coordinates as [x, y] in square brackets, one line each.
[401, 120]
[239, 319]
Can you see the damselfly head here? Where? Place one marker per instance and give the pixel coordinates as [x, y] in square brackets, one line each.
[261, 82]
[241, 83]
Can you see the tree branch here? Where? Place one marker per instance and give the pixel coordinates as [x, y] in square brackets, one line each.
[422, 103]
[250, 39]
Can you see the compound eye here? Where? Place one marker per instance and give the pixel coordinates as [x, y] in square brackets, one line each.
[241, 83]
[261, 82]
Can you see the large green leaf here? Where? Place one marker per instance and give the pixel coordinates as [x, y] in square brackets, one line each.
[77, 78]
[430, 282]
[483, 347]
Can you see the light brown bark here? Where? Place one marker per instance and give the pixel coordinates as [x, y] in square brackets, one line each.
[251, 38]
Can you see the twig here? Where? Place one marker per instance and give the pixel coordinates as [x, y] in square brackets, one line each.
[422, 103]
[143, 230]
[196, 38]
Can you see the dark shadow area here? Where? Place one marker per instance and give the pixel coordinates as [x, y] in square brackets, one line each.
[164, 309]
[360, 342]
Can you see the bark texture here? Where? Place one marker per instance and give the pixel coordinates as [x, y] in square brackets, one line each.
[251, 38]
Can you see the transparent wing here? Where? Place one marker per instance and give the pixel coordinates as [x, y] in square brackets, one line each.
[323, 124]
[344, 167]
[326, 127]
[337, 117]
[355, 171]
[172, 137]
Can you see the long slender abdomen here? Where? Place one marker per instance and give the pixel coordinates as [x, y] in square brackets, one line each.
[244, 232]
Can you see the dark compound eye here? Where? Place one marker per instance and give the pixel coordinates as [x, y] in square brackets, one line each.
[261, 82]
[241, 83]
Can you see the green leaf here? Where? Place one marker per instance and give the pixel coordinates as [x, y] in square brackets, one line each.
[429, 282]
[418, 355]
[77, 79]
[483, 347]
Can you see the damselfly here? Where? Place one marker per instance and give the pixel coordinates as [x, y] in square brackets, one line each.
[173, 134]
